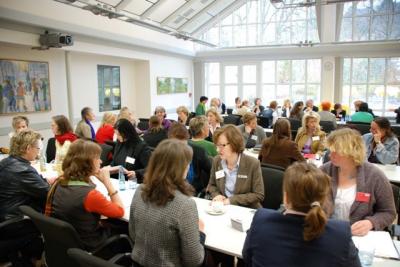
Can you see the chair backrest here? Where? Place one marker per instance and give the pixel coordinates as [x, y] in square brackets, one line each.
[273, 180]
[51, 149]
[229, 110]
[105, 151]
[264, 122]
[327, 126]
[295, 124]
[363, 128]
[143, 124]
[84, 259]
[396, 196]
[232, 119]
[58, 235]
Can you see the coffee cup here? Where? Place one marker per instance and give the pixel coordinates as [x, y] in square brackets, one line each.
[217, 206]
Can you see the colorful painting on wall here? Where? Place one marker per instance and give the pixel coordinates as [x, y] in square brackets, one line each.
[24, 86]
[169, 85]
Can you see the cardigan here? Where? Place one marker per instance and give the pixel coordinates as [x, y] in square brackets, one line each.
[249, 186]
[283, 154]
[277, 240]
[83, 130]
[380, 209]
[259, 132]
[386, 152]
[165, 235]
[317, 146]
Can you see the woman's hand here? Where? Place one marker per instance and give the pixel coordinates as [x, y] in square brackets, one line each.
[378, 137]
[129, 174]
[103, 175]
[227, 201]
[201, 225]
[361, 228]
[219, 198]
[247, 129]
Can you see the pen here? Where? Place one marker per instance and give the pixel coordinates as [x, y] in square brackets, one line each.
[387, 258]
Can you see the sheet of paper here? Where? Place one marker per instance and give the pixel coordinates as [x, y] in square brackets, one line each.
[382, 241]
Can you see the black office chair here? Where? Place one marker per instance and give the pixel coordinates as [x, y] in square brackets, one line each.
[295, 124]
[104, 156]
[362, 127]
[273, 180]
[85, 259]
[59, 236]
[51, 150]
[327, 126]
[143, 124]
[264, 122]
[233, 119]
[229, 111]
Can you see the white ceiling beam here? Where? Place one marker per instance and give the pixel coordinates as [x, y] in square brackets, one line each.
[220, 16]
[122, 5]
[199, 14]
[152, 9]
[177, 12]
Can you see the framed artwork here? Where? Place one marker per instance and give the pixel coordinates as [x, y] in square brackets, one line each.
[24, 86]
[169, 85]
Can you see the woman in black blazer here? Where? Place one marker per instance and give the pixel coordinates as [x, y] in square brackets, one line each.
[301, 235]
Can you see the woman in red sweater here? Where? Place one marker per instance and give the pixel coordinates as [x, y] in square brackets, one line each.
[106, 130]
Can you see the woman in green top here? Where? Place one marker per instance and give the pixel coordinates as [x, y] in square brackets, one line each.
[199, 129]
[201, 107]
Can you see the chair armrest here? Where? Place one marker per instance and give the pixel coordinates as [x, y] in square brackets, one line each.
[111, 240]
[394, 230]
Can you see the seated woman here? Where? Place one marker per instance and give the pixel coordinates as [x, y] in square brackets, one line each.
[286, 108]
[162, 115]
[325, 114]
[215, 122]
[130, 151]
[279, 149]
[251, 132]
[74, 199]
[106, 129]
[360, 191]
[64, 136]
[362, 114]
[199, 129]
[297, 112]
[19, 123]
[156, 133]
[235, 177]
[310, 139]
[85, 129]
[162, 206]
[338, 111]
[183, 115]
[126, 113]
[382, 145]
[302, 229]
[21, 184]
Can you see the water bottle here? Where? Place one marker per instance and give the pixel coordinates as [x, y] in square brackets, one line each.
[42, 162]
[132, 183]
[121, 179]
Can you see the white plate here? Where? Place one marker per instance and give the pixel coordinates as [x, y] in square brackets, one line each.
[210, 211]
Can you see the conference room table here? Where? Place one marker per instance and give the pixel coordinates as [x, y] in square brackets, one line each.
[221, 236]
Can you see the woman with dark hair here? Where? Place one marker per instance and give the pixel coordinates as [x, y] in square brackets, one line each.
[297, 111]
[279, 149]
[64, 136]
[258, 108]
[74, 199]
[362, 115]
[85, 129]
[338, 111]
[164, 222]
[382, 145]
[302, 229]
[156, 132]
[130, 151]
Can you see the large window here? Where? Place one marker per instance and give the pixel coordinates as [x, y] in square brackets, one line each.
[297, 80]
[260, 23]
[371, 20]
[373, 80]
[109, 88]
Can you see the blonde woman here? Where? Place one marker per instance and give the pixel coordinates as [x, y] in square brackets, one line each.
[360, 192]
[106, 129]
[183, 115]
[19, 123]
[310, 138]
[287, 106]
[214, 120]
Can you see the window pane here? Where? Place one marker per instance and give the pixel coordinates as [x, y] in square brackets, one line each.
[283, 69]
[314, 70]
[268, 33]
[239, 16]
[213, 35]
[252, 11]
[361, 27]
[298, 31]
[213, 73]
[346, 29]
[375, 95]
[360, 67]
[252, 35]
[231, 92]
[249, 92]
[231, 73]
[379, 27]
[358, 92]
[393, 97]
[362, 8]
[299, 13]
[346, 70]
[313, 31]
[313, 92]
[348, 9]
[394, 29]
[298, 71]
[249, 74]
[393, 71]
[376, 70]
[283, 33]
[381, 6]
[239, 35]
[282, 93]
[268, 93]
[109, 91]
[227, 21]
[268, 73]
[299, 92]
[346, 95]
[213, 91]
[226, 36]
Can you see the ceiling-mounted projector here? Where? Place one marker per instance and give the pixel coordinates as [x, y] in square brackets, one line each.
[55, 40]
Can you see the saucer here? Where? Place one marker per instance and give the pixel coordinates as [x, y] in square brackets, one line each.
[210, 211]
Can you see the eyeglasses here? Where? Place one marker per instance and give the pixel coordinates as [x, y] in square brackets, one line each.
[222, 145]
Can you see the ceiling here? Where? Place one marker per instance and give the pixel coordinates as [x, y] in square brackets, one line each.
[184, 19]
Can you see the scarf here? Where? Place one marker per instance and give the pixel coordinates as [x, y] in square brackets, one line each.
[68, 136]
[91, 129]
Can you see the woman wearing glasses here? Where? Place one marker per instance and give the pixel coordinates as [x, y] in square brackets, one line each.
[235, 177]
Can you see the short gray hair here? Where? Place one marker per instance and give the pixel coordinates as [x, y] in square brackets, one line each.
[197, 124]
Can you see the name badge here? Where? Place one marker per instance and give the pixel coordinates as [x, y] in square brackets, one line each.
[254, 137]
[315, 138]
[219, 174]
[130, 160]
[242, 176]
[363, 197]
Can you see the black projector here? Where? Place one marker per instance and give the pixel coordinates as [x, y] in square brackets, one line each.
[56, 40]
